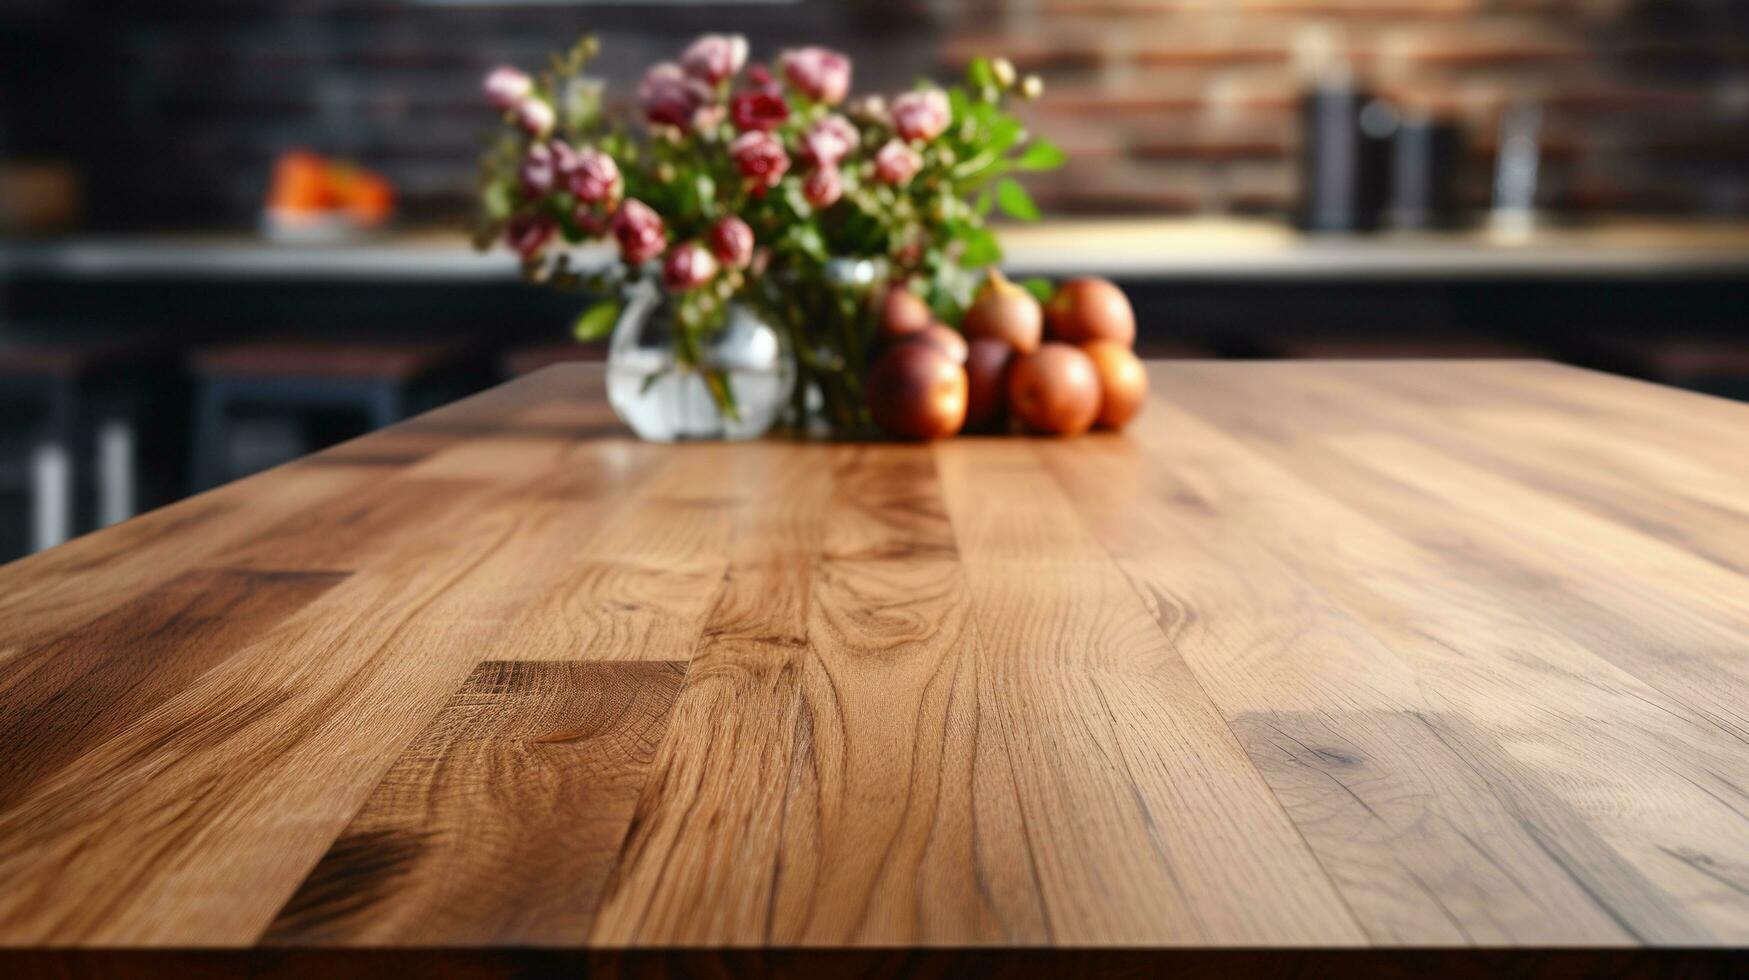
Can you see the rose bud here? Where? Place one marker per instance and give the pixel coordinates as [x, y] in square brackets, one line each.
[535, 116]
[870, 108]
[760, 158]
[506, 87]
[829, 141]
[590, 220]
[1003, 71]
[713, 58]
[821, 74]
[538, 170]
[823, 187]
[731, 241]
[921, 115]
[1031, 87]
[639, 232]
[757, 110]
[896, 163]
[670, 96]
[527, 234]
[594, 177]
[709, 117]
[761, 78]
[688, 266]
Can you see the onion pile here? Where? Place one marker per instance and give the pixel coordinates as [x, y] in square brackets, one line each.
[1059, 368]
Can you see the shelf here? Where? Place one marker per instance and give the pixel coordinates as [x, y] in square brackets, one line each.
[1142, 250]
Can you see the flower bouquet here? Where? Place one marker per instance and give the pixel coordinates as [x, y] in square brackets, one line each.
[759, 209]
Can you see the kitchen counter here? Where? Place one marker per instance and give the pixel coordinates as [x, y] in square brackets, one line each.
[1312, 659]
[1142, 249]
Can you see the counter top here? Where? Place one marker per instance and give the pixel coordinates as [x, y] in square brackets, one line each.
[1141, 249]
[1315, 657]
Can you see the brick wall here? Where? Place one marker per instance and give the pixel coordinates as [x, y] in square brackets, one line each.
[1190, 105]
[173, 110]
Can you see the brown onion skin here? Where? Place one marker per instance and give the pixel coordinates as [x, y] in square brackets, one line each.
[1123, 382]
[988, 364]
[916, 391]
[1055, 390]
[1006, 312]
[1091, 309]
[903, 314]
[950, 341]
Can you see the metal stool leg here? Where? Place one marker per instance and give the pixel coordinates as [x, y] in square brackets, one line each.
[54, 470]
[51, 495]
[208, 463]
[115, 471]
[386, 406]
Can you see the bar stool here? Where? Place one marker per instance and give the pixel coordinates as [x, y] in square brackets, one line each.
[83, 401]
[380, 381]
[1714, 365]
[526, 360]
[1425, 347]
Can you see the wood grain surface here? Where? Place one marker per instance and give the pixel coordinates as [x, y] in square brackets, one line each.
[1315, 656]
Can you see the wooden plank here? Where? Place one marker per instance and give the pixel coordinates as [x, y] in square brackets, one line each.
[66, 696]
[47, 594]
[1488, 661]
[250, 772]
[701, 862]
[1655, 623]
[901, 816]
[500, 823]
[1416, 835]
[1147, 822]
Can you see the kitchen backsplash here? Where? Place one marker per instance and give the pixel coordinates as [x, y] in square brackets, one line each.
[172, 112]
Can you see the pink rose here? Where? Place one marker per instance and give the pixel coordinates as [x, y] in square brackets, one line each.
[823, 187]
[506, 87]
[639, 232]
[760, 158]
[731, 242]
[688, 266]
[921, 115]
[829, 141]
[539, 168]
[758, 110]
[713, 58]
[896, 163]
[528, 234]
[819, 73]
[593, 176]
[535, 116]
[670, 96]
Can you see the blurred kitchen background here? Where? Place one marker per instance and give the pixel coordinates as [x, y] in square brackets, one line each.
[1268, 178]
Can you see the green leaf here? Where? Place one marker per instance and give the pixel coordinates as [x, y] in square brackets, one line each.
[1015, 201]
[958, 103]
[1040, 288]
[499, 200]
[597, 321]
[1005, 131]
[1042, 155]
[706, 191]
[979, 74]
[806, 239]
[984, 203]
[981, 248]
[796, 199]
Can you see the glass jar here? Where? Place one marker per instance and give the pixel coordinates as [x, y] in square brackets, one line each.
[736, 387]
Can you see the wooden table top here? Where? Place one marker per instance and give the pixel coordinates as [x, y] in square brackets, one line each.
[1316, 655]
